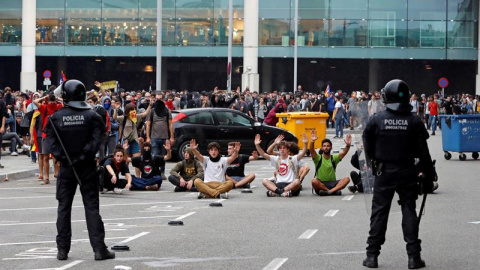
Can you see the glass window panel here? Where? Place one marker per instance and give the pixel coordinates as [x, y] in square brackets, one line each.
[84, 19]
[346, 32]
[275, 32]
[279, 9]
[461, 34]
[462, 10]
[11, 21]
[350, 9]
[378, 9]
[221, 7]
[120, 21]
[50, 22]
[427, 34]
[387, 33]
[311, 9]
[425, 10]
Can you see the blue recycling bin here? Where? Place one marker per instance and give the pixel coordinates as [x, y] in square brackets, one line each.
[461, 133]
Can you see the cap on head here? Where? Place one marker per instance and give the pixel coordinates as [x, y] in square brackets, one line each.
[396, 96]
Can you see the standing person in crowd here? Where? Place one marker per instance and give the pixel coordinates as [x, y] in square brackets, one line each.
[236, 169]
[338, 117]
[214, 184]
[433, 108]
[3, 117]
[330, 103]
[261, 110]
[395, 170]
[183, 174]
[79, 129]
[351, 109]
[375, 104]
[448, 105]
[325, 182]
[49, 107]
[421, 107]
[415, 104]
[271, 118]
[112, 135]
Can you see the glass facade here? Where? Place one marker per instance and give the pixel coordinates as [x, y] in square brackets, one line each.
[431, 24]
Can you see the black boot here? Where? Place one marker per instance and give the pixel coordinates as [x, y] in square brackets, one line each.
[415, 262]
[104, 255]
[62, 254]
[370, 261]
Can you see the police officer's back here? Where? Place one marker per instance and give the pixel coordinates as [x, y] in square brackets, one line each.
[79, 129]
[393, 139]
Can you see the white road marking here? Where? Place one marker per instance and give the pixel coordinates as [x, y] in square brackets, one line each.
[70, 265]
[33, 197]
[82, 220]
[105, 205]
[27, 188]
[275, 264]
[348, 198]
[47, 242]
[343, 253]
[331, 213]
[308, 234]
[184, 216]
[134, 237]
[474, 222]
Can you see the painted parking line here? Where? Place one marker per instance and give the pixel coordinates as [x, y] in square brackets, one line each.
[70, 265]
[184, 216]
[331, 213]
[348, 198]
[308, 234]
[275, 264]
[81, 206]
[83, 220]
[134, 237]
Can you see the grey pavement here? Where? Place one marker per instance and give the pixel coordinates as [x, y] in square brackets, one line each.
[250, 231]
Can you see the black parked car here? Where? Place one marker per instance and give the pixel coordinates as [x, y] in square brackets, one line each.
[223, 126]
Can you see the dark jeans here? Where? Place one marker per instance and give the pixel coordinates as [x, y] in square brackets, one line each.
[107, 182]
[402, 181]
[15, 140]
[140, 183]
[176, 182]
[66, 187]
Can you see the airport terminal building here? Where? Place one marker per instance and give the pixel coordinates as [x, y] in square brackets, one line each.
[347, 44]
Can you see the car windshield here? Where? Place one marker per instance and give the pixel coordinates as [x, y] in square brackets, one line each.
[232, 119]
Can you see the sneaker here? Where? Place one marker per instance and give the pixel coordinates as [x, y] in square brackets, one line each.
[336, 193]
[178, 189]
[14, 154]
[117, 190]
[287, 194]
[352, 189]
[271, 194]
[323, 193]
[152, 188]
[26, 147]
[103, 191]
[200, 195]
[247, 185]
[1, 166]
[223, 195]
[433, 133]
[351, 128]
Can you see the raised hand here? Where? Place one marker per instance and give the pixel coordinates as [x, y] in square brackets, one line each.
[193, 144]
[348, 139]
[167, 145]
[313, 135]
[258, 140]
[304, 138]
[237, 147]
[279, 138]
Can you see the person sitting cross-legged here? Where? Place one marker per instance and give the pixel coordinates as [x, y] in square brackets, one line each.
[236, 170]
[325, 183]
[214, 184]
[185, 172]
[115, 166]
[287, 182]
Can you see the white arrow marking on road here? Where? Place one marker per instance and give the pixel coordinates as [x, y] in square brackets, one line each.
[308, 234]
[331, 213]
[275, 264]
[348, 198]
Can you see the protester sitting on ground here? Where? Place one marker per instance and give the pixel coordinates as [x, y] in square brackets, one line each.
[115, 166]
[325, 182]
[185, 172]
[150, 167]
[293, 149]
[214, 184]
[236, 169]
[287, 182]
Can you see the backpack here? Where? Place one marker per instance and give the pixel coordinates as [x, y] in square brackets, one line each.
[320, 164]
[290, 164]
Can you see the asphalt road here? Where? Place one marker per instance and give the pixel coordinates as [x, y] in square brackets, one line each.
[250, 231]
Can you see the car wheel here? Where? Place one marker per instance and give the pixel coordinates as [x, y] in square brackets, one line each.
[181, 149]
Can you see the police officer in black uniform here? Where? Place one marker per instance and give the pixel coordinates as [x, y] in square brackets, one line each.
[392, 140]
[80, 129]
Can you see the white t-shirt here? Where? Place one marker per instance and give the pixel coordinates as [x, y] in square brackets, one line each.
[214, 171]
[285, 174]
[338, 104]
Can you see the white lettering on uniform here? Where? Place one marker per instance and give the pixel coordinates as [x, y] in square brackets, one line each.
[73, 120]
[396, 124]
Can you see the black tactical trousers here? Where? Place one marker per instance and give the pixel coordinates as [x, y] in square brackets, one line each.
[402, 181]
[66, 187]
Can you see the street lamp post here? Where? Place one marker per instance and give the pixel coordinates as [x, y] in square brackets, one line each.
[295, 50]
[230, 40]
[159, 45]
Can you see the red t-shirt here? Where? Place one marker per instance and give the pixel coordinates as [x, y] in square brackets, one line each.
[433, 107]
[44, 113]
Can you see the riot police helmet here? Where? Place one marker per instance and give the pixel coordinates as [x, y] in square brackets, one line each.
[74, 94]
[396, 96]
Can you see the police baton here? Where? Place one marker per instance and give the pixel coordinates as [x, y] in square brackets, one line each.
[66, 153]
[422, 207]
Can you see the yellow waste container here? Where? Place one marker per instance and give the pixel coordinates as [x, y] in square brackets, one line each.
[300, 122]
